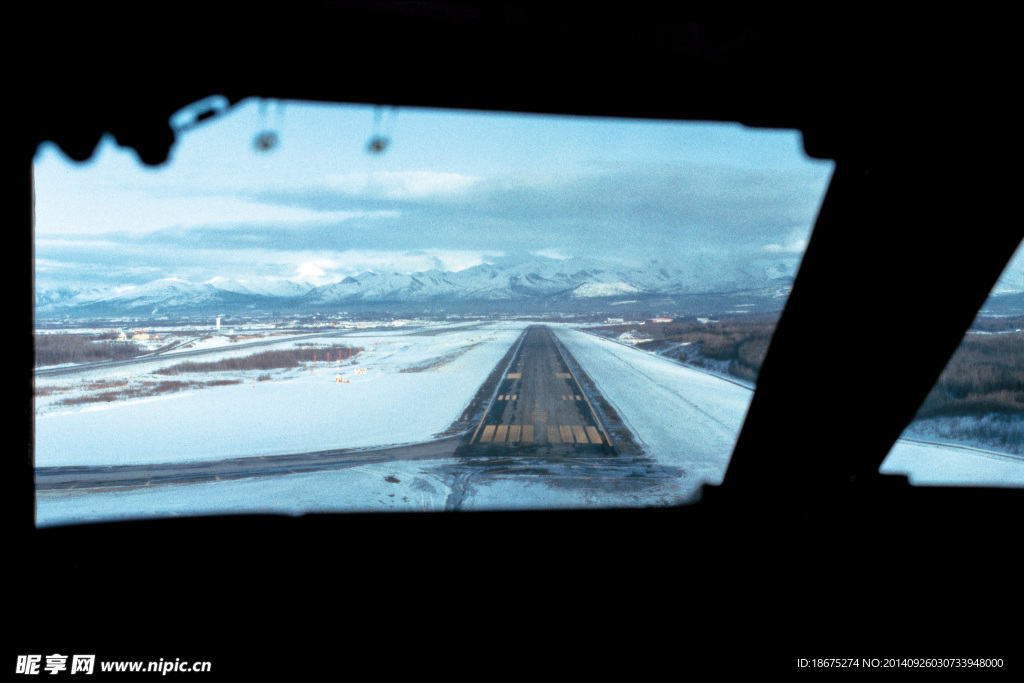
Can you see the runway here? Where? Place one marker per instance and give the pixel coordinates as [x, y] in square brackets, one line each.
[539, 404]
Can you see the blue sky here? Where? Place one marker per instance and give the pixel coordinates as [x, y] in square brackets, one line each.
[452, 190]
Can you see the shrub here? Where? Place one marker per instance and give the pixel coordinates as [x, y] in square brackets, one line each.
[144, 390]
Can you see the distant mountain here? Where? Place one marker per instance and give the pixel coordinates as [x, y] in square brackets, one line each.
[525, 284]
[273, 288]
[153, 298]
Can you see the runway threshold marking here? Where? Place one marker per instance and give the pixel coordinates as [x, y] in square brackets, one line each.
[568, 434]
[593, 413]
[483, 418]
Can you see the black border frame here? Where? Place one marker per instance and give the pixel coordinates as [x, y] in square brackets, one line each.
[821, 557]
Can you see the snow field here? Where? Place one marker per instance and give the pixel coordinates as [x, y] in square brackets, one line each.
[683, 418]
[937, 465]
[415, 386]
[399, 486]
[526, 492]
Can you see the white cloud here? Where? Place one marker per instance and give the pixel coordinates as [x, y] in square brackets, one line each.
[146, 214]
[325, 269]
[552, 253]
[318, 271]
[795, 244]
[401, 185]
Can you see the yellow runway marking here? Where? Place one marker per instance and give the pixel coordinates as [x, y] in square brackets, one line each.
[564, 397]
[488, 434]
[528, 433]
[581, 435]
[563, 375]
[553, 434]
[566, 432]
[515, 375]
[499, 436]
[578, 398]
[513, 433]
[515, 396]
[592, 432]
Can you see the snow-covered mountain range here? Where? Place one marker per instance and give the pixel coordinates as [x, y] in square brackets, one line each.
[531, 283]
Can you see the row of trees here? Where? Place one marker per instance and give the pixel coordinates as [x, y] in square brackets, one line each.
[57, 349]
[266, 360]
[738, 344]
[984, 376]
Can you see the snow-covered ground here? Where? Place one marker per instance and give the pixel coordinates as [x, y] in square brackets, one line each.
[415, 386]
[398, 486]
[683, 417]
[932, 464]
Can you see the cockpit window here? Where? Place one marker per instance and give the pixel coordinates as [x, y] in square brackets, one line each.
[970, 428]
[348, 308]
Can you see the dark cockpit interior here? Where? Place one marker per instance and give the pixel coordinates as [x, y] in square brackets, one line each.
[804, 535]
